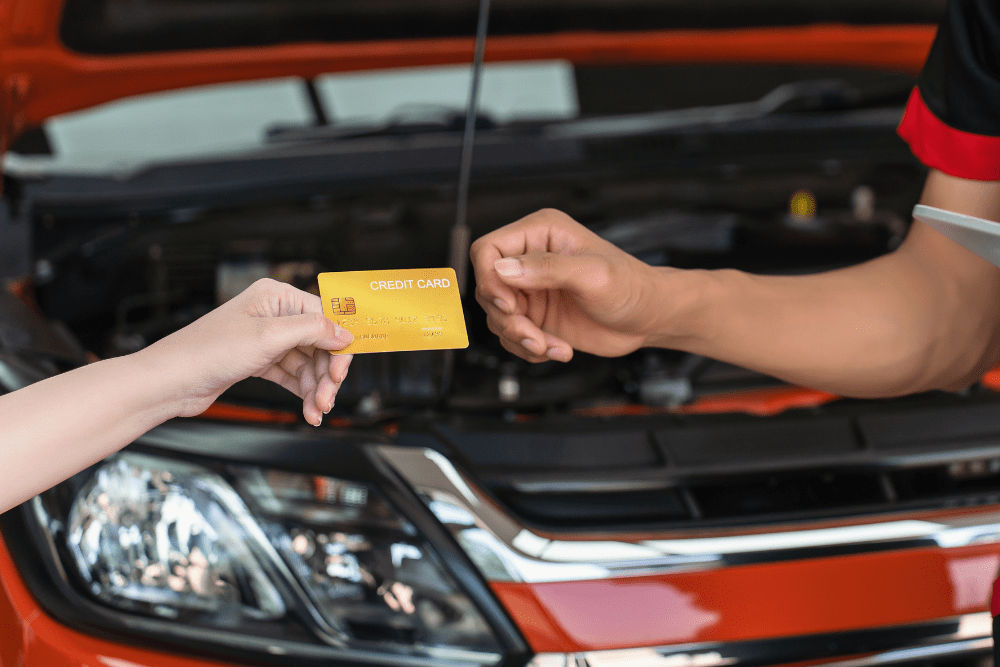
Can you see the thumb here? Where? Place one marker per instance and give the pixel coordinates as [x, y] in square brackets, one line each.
[307, 330]
[584, 275]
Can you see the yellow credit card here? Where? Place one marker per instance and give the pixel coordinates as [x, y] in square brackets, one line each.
[392, 311]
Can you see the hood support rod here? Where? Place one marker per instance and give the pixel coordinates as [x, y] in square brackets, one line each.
[461, 234]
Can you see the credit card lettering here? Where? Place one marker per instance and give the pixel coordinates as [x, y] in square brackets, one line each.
[429, 283]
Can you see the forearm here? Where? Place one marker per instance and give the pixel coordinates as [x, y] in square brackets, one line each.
[59, 426]
[54, 428]
[920, 318]
[846, 332]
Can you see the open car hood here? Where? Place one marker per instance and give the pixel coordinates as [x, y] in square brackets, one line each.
[58, 56]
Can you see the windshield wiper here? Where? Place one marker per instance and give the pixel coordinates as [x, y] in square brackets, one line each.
[801, 96]
[406, 120]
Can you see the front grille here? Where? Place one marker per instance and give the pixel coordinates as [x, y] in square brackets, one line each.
[791, 492]
[570, 509]
[847, 458]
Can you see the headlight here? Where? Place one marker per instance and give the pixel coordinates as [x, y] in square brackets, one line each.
[171, 539]
[306, 564]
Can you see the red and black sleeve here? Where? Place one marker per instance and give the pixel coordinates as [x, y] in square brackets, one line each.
[952, 121]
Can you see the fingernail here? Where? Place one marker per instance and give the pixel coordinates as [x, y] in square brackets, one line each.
[502, 305]
[557, 353]
[532, 346]
[342, 334]
[509, 267]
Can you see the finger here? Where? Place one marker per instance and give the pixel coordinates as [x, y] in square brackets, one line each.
[587, 276]
[544, 230]
[308, 379]
[339, 366]
[308, 385]
[496, 307]
[272, 298]
[306, 302]
[293, 360]
[520, 332]
[547, 230]
[283, 378]
[541, 303]
[325, 389]
[557, 349]
[302, 367]
[310, 412]
[490, 288]
[516, 349]
[307, 330]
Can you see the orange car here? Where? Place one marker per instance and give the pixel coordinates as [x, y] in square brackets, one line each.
[464, 508]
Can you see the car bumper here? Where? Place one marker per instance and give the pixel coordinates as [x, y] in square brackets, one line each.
[884, 589]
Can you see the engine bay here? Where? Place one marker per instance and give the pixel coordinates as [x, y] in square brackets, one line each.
[122, 284]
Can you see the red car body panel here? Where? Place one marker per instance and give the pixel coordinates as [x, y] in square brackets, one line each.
[756, 601]
[29, 637]
[739, 603]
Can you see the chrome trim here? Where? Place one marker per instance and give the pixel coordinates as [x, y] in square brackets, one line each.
[951, 650]
[506, 550]
[970, 637]
[502, 548]
[591, 485]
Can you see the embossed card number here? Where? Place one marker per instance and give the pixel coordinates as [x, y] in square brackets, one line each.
[393, 311]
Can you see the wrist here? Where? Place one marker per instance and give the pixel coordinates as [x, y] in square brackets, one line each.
[683, 302]
[167, 381]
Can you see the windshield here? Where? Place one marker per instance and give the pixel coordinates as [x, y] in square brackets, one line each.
[228, 120]
[232, 120]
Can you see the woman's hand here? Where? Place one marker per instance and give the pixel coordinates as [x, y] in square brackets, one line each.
[271, 330]
[549, 286]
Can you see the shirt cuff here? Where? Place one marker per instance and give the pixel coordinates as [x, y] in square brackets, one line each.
[942, 147]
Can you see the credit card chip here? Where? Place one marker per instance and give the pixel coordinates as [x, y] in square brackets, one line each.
[343, 306]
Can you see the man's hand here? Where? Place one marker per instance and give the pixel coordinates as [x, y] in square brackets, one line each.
[271, 330]
[921, 317]
[549, 286]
